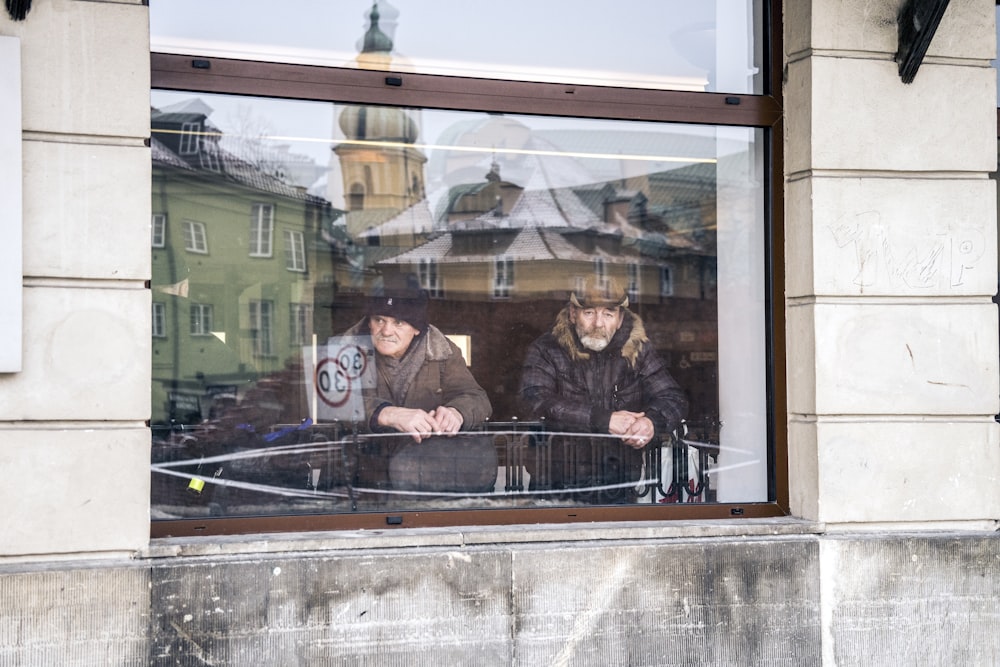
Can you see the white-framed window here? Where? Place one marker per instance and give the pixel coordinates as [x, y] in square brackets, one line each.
[666, 281]
[634, 287]
[195, 237]
[201, 319]
[430, 278]
[190, 138]
[261, 229]
[600, 270]
[295, 251]
[158, 230]
[262, 328]
[503, 277]
[300, 323]
[159, 320]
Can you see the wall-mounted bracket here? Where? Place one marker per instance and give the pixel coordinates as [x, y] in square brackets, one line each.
[918, 20]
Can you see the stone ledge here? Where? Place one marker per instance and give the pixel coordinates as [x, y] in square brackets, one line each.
[474, 536]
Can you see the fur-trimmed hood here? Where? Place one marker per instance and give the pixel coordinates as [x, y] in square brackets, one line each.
[630, 337]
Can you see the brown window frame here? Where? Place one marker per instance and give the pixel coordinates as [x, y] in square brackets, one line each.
[230, 76]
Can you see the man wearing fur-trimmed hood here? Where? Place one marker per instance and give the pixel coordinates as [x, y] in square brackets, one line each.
[596, 372]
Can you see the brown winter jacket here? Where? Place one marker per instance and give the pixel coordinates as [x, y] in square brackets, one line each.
[444, 379]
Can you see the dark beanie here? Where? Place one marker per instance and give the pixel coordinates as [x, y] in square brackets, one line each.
[406, 304]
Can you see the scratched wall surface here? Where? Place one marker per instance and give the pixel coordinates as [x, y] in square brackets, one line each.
[887, 600]
[911, 601]
[677, 603]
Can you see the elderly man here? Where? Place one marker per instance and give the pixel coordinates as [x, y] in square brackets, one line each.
[423, 389]
[597, 373]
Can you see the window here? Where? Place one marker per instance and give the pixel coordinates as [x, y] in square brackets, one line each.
[429, 278]
[195, 239]
[666, 282]
[261, 230]
[503, 277]
[159, 230]
[201, 319]
[262, 328]
[633, 281]
[295, 251]
[301, 323]
[159, 320]
[456, 182]
[190, 138]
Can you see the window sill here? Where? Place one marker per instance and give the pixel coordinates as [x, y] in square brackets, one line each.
[231, 545]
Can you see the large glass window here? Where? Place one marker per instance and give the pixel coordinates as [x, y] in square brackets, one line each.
[704, 46]
[448, 333]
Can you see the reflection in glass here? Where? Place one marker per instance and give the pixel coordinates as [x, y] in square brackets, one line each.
[275, 221]
[710, 46]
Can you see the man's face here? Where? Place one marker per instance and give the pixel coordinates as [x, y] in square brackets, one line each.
[596, 326]
[391, 336]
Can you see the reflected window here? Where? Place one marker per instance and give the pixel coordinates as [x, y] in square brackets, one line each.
[295, 251]
[301, 323]
[503, 277]
[262, 328]
[201, 319]
[261, 230]
[429, 278]
[159, 230]
[159, 320]
[195, 238]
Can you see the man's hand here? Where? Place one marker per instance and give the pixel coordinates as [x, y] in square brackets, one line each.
[418, 423]
[635, 428]
[449, 419]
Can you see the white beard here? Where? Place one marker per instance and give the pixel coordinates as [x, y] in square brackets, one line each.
[594, 343]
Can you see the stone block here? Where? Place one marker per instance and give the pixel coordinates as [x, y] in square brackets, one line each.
[886, 236]
[907, 470]
[75, 616]
[903, 359]
[944, 121]
[681, 603]
[440, 607]
[74, 490]
[86, 211]
[86, 357]
[86, 68]
[904, 600]
[860, 26]
[803, 469]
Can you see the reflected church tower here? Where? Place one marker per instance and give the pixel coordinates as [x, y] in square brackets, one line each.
[380, 168]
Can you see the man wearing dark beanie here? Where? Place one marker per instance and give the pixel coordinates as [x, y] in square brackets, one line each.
[424, 389]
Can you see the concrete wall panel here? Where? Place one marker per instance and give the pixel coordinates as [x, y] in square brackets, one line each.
[866, 118]
[75, 617]
[965, 30]
[908, 471]
[899, 601]
[87, 68]
[86, 356]
[885, 237]
[877, 359]
[84, 489]
[87, 211]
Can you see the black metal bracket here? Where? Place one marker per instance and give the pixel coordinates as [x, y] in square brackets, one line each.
[18, 9]
[917, 22]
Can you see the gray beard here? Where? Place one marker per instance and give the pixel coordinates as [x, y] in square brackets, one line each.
[594, 343]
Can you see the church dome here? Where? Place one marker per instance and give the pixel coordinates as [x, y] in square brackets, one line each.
[378, 124]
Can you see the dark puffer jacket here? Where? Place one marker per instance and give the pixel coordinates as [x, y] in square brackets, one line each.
[575, 389]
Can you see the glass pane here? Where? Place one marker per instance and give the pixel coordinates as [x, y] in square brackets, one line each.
[712, 46]
[270, 389]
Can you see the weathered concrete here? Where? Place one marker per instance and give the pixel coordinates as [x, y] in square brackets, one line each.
[767, 599]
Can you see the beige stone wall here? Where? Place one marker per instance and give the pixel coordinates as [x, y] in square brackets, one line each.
[74, 447]
[891, 263]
